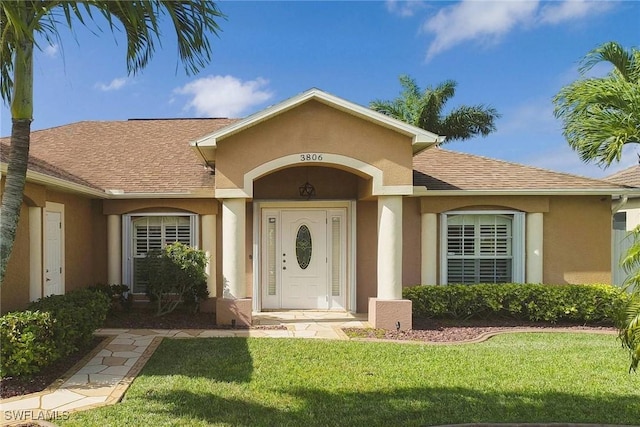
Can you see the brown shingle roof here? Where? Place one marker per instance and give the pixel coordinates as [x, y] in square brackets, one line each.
[440, 169]
[154, 156]
[136, 156]
[629, 176]
[38, 165]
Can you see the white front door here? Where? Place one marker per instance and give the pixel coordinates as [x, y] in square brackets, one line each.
[304, 259]
[53, 254]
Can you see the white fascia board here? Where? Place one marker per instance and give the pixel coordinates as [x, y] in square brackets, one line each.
[420, 137]
[183, 195]
[43, 179]
[421, 191]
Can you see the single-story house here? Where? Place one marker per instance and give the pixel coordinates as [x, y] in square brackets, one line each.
[314, 203]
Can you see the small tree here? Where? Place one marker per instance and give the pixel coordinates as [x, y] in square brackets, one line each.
[175, 274]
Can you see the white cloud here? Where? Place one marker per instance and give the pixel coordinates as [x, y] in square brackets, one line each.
[51, 50]
[533, 117]
[490, 21]
[404, 9]
[563, 159]
[558, 12]
[114, 84]
[224, 96]
[475, 20]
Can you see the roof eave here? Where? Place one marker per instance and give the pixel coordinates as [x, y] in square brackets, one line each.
[48, 180]
[420, 191]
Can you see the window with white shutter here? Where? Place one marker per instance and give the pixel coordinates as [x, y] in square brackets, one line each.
[147, 232]
[482, 247]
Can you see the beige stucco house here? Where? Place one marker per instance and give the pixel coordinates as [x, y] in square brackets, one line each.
[314, 203]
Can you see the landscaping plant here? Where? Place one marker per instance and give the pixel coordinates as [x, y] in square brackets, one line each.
[175, 275]
[527, 302]
[629, 320]
[49, 329]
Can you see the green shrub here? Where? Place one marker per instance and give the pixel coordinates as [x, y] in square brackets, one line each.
[531, 302]
[175, 275]
[26, 342]
[77, 315]
[117, 294]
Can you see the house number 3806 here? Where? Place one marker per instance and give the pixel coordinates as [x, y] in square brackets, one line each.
[310, 157]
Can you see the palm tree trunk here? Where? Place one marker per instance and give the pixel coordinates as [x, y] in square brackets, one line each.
[21, 112]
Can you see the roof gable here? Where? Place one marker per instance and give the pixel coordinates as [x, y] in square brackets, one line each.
[421, 138]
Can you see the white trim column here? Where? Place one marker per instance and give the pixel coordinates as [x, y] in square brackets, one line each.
[114, 250]
[209, 246]
[389, 247]
[534, 244]
[429, 243]
[35, 253]
[233, 248]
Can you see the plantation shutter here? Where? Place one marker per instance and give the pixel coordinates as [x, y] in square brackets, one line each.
[154, 232]
[480, 248]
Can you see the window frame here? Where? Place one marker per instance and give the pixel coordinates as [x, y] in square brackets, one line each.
[128, 250]
[518, 243]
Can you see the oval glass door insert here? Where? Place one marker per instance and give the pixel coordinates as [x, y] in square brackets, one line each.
[303, 246]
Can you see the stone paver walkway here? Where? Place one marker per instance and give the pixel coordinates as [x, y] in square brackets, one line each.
[103, 376]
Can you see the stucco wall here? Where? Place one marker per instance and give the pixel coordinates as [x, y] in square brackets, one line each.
[577, 240]
[84, 247]
[577, 231]
[367, 254]
[79, 240]
[14, 294]
[199, 206]
[314, 128]
[329, 184]
[411, 242]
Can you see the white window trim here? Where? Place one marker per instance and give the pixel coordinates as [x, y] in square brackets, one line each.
[127, 241]
[517, 248]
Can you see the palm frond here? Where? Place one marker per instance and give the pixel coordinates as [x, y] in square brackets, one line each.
[424, 110]
[624, 62]
[600, 116]
[629, 330]
[468, 121]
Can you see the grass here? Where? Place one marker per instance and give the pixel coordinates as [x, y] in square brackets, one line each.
[537, 377]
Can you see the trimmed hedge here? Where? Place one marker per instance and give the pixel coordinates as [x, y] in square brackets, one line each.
[530, 302]
[77, 314]
[49, 329]
[27, 342]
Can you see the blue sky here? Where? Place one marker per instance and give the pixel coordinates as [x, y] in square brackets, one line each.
[513, 55]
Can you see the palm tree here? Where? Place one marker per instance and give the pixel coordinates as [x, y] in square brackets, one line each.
[424, 110]
[628, 322]
[600, 116]
[21, 21]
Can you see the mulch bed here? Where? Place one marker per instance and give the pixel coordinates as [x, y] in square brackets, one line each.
[439, 330]
[142, 318]
[18, 386]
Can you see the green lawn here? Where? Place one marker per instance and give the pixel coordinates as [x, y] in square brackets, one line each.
[276, 382]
